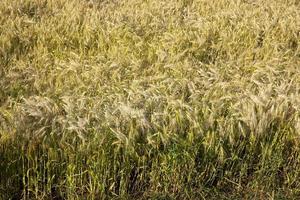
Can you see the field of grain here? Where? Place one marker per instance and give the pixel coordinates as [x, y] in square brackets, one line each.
[149, 99]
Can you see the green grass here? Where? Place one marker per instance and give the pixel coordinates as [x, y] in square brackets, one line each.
[129, 99]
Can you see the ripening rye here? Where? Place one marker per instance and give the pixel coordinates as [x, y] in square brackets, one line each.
[128, 99]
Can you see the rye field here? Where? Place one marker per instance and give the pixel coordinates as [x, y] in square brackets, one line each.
[149, 99]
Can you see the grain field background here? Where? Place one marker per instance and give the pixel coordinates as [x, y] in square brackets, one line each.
[153, 99]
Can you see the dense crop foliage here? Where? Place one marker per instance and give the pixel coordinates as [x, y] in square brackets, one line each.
[155, 99]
